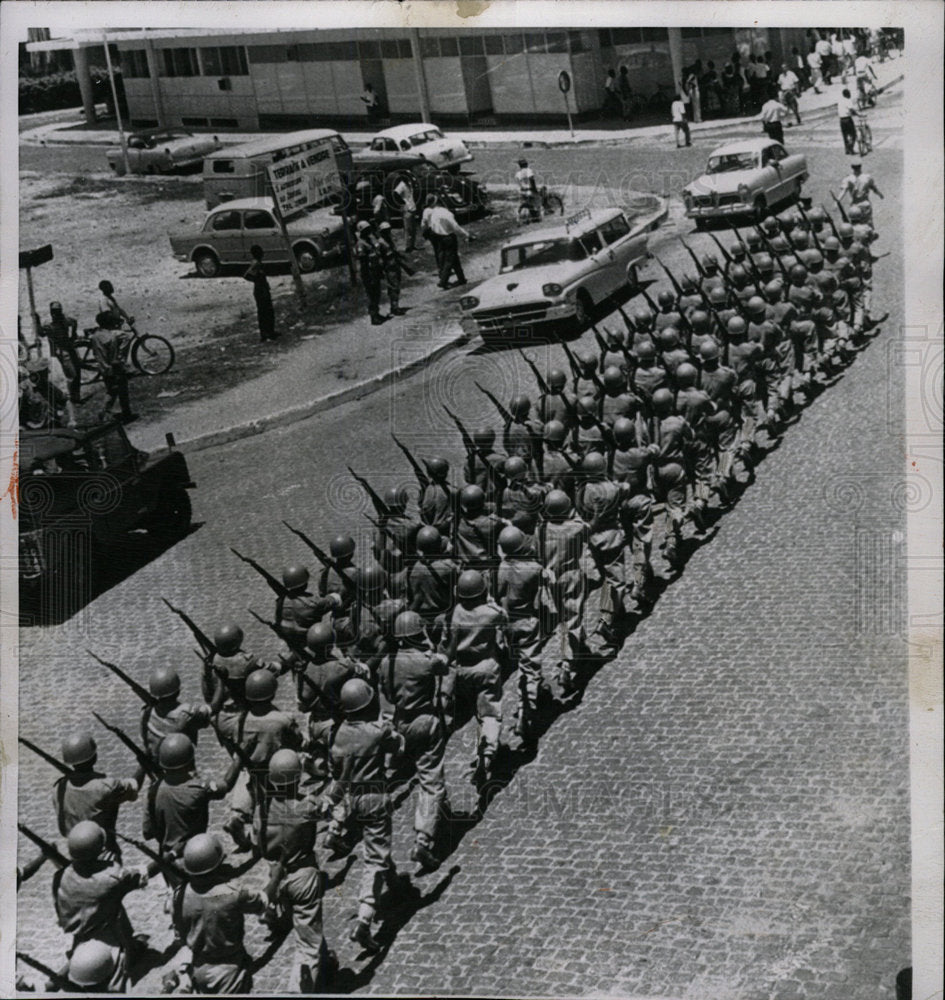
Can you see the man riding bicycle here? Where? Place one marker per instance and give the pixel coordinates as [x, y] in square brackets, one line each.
[789, 87]
[528, 190]
[865, 75]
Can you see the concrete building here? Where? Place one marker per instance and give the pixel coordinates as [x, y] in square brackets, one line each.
[211, 79]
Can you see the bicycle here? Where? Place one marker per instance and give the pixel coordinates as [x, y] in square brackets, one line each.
[548, 203]
[866, 94]
[864, 136]
[149, 353]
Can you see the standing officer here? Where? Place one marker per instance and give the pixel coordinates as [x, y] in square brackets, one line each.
[89, 897]
[286, 826]
[394, 267]
[166, 714]
[209, 913]
[410, 679]
[371, 268]
[357, 755]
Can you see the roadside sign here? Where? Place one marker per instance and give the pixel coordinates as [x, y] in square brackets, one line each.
[564, 81]
[305, 179]
[33, 258]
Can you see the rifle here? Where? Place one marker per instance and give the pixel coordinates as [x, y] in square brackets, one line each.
[206, 644]
[48, 757]
[576, 368]
[379, 504]
[264, 621]
[144, 760]
[601, 343]
[833, 225]
[669, 274]
[320, 554]
[718, 243]
[64, 984]
[627, 321]
[275, 585]
[813, 234]
[843, 211]
[140, 691]
[649, 301]
[159, 859]
[468, 442]
[543, 386]
[695, 259]
[50, 851]
[422, 478]
[503, 412]
[383, 530]
[233, 746]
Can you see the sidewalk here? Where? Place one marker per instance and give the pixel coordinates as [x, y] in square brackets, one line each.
[812, 106]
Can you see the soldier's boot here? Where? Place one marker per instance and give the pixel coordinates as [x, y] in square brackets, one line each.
[335, 842]
[361, 934]
[395, 307]
[697, 516]
[423, 855]
[236, 828]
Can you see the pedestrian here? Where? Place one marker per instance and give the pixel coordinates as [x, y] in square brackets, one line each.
[814, 65]
[847, 112]
[447, 230]
[691, 84]
[799, 67]
[409, 212]
[825, 51]
[625, 93]
[265, 313]
[864, 84]
[107, 349]
[60, 331]
[427, 233]
[789, 86]
[773, 112]
[680, 122]
[393, 267]
[110, 314]
[370, 268]
[42, 403]
[611, 106]
[711, 87]
[369, 100]
[859, 186]
[528, 190]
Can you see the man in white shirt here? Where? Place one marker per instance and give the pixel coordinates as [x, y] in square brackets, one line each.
[858, 186]
[789, 86]
[527, 189]
[813, 64]
[447, 231]
[404, 192]
[865, 75]
[846, 112]
[680, 121]
[825, 49]
[772, 114]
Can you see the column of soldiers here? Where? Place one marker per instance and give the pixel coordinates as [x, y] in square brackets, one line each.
[590, 487]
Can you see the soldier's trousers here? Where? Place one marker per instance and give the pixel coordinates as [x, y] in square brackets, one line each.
[637, 517]
[525, 644]
[425, 745]
[568, 597]
[722, 426]
[372, 288]
[371, 811]
[478, 691]
[703, 465]
[669, 485]
[300, 893]
[607, 551]
[222, 977]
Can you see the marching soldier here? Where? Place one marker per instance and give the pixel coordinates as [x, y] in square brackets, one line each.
[719, 382]
[230, 666]
[769, 363]
[430, 582]
[166, 714]
[743, 356]
[297, 609]
[695, 407]
[616, 400]
[477, 533]
[672, 354]
[671, 462]
[669, 314]
[630, 463]
[558, 402]
[410, 679]
[521, 494]
[483, 466]
[519, 437]
[559, 463]
[437, 499]
[338, 578]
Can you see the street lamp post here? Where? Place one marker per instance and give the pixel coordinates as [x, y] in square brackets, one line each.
[121, 131]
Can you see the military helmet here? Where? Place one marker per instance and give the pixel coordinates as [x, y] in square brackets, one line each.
[408, 624]
[738, 273]
[756, 304]
[641, 316]
[736, 326]
[845, 230]
[484, 437]
[800, 239]
[593, 464]
[613, 378]
[285, 767]
[519, 406]
[438, 467]
[718, 296]
[86, 841]
[709, 351]
[646, 351]
[395, 498]
[737, 251]
[686, 375]
[587, 359]
[780, 245]
[341, 546]
[556, 380]
[666, 300]
[319, 635]
[688, 283]
[662, 400]
[164, 682]
[79, 748]
[202, 854]
[624, 429]
[261, 686]
[294, 577]
[472, 499]
[471, 583]
[515, 468]
[91, 964]
[511, 539]
[370, 579]
[831, 245]
[356, 694]
[774, 289]
[587, 403]
[228, 639]
[710, 261]
[176, 752]
[557, 503]
[699, 320]
[765, 263]
[669, 338]
[429, 541]
[798, 273]
[554, 431]
[815, 260]
[770, 225]
[752, 239]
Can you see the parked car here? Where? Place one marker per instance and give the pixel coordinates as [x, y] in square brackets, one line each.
[162, 151]
[228, 231]
[745, 178]
[423, 139]
[84, 489]
[370, 176]
[561, 273]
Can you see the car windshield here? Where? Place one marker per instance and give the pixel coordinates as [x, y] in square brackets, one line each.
[728, 162]
[429, 136]
[541, 252]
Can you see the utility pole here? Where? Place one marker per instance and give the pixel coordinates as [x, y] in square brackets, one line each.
[111, 80]
[420, 75]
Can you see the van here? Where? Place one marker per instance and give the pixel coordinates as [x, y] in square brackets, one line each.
[240, 171]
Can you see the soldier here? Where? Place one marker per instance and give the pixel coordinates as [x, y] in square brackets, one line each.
[642, 320]
[521, 493]
[520, 438]
[166, 714]
[430, 582]
[338, 579]
[563, 548]
[689, 297]
[374, 616]
[672, 353]
[711, 275]
[669, 315]
[616, 401]
[483, 466]
[61, 333]
[477, 533]
[398, 531]
[392, 265]
[519, 588]
[87, 794]
[743, 356]
[672, 460]
[358, 780]
[650, 375]
[326, 669]
[720, 304]
[209, 913]
[587, 435]
[559, 463]
[719, 382]
[297, 610]
[598, 502]
[89, 897]
[805, 299]
[230, 665]
[90, 969]
[769, 363]
[586, 382]
[615, 354]
[741, 286]
[695, 407]
[630, 462]
[371, 269]
[410, 679]
[286, 825]
[558, 403]
[700, 323]
[437, 501]
[476, 644]
[178, 803]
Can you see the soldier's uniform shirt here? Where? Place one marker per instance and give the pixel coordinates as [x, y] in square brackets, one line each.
[690, 303]
[179, 810]
[562, 544]
[556, 406]
[671, 360]
[614, 406]
[93, 797]
[665, 320]
[297, 613]
[236, 669]
[614, 357]
[436, 507]
[599, 504]
[519, 583]
[430, 585]
[273, 729]
[90, 902]
[185, 717]
[629, 465]
[477, 539]
[320, 682]
[587, 385]
[589, 436]
[521, 440]
[746, 292]
[743, 357]
[522, 496]
[558, 469]
[477, 631]
[330, 581]
[403, 530]
[648, 379]
[694, 406]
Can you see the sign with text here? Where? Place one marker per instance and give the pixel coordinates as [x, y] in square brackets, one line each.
[305, 179]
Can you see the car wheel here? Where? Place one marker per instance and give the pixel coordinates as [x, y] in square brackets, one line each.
[308, 258]
[584, 306]
[207, 264]
[759, 208]
[172, 516]
[701, 224]
[633, 278]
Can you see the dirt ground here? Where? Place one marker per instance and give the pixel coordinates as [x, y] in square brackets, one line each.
[104, 227]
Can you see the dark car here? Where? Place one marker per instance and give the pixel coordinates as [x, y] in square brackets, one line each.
[465, 195]
[82, 491]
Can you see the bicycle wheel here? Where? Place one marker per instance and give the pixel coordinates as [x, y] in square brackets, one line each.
[152, 355]
[553, 203]
[88, 369]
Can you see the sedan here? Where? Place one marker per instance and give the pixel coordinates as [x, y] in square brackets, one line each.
[162, 151]
[745, 178]
[464, 195]
[421, 139]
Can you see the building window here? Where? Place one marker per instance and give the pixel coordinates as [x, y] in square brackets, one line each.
[470, 45]
[429, 47]
[226, 60]
[576, 41]
[404, 48]
[449, 46]
[625, 36]
[535, 41]
[180, 62]
[334, 51]
[194, 122]
[494, 46]
[267, 53]
[134, 64]
[369, 50]
[224, 122]
[514, 43]
[388, 48]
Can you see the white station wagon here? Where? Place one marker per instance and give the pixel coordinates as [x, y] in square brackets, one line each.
[745, 178]
[561, 273]
[419, 139]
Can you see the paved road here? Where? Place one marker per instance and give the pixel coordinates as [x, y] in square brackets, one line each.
[724, 815]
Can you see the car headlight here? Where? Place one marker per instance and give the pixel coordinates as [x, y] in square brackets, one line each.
[468, 302]
[744, 192]
[551, 289]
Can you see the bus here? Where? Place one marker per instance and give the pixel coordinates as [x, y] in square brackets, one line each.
[240, 171]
